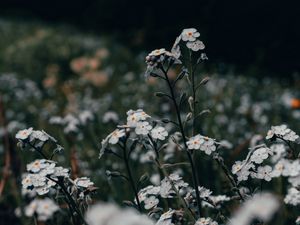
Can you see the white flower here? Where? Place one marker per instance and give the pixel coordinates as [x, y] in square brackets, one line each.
[295, 181]
[104, 214]
[195, 45]
[238, 165]
[278, 152]
[135, 116]
[83, 182]
[44, 208]
[244, 173]
[37, 165]
[61, 172]
[278, 168]
[27, 181]
[205, 221]
[208, 146]
[282, 132]
[260, 154]
[202, 143]
[142, 128]
[166, 218]
[189, 34]
[204, 192]
[260, 206]
[40, 135]
[151, 202]
[195, 142]
[291, 168]
[24, 134]
[157, 52]
[159, 133]
[110, 116]
[115, 136]
[85, 116]
[293, 197]
[264, 173]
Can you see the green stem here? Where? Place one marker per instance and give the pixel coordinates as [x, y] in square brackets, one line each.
[131, 181]
[195, 182]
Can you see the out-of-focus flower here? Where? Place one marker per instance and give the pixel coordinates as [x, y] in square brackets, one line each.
[44, 209]
[293, 197]
[260, 206]
[104, 214]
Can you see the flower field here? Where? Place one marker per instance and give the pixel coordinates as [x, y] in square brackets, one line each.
[94, 133]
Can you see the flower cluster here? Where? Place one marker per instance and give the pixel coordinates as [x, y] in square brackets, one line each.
[167, 189]
[136, 122]
[36, 139]
[42, 175]
[199, 142]
[282, 132]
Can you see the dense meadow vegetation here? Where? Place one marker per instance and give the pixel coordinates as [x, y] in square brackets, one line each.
[94, 134]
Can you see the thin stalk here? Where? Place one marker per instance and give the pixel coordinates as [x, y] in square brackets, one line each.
[195, 182]
[164, 172]
[230, 177]
[131, 181]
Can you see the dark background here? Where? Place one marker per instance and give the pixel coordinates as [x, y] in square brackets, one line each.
[258, 35]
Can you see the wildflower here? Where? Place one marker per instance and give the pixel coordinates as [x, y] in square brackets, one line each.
[205, 221]
[151, 202]
[39, 135]
[195, 45]
[202, 143]
[83, 182]
[264, 173]
[295, 103]
[189, 34]
[166, 218]
[282, 132]
[195, 142]
[260, 206]
[44, 209]
[278, 168]
[291, 168]
[135, 116]
[142, 128]
[102, 214]
[24, 134]
[204, 192]
[293, 197]
[237, 167]
[159, 133]
[260, 154]
[278, 152]
[39, 164]
[208, 146]
[115, 136]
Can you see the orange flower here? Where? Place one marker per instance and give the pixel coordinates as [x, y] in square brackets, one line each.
[295, 103]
